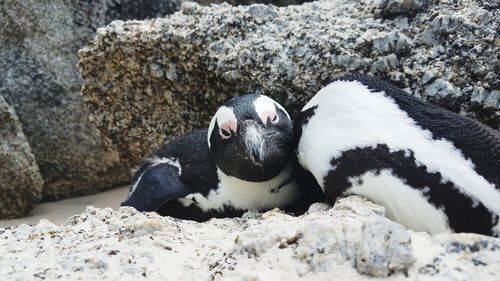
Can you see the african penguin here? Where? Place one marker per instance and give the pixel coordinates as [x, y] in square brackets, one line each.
[432, 169]
[242, 162]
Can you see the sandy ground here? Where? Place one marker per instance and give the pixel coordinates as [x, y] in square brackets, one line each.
[59, 211]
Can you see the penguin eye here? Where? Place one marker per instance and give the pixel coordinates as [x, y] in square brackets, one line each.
[267, 116]
[275, 119]
[225, 134]
[227, 129]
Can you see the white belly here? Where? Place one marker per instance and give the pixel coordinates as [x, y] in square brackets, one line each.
[402, 203]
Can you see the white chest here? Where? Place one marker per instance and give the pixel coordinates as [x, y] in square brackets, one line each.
[243, 195]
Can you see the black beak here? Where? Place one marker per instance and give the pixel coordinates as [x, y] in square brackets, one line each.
[257, 155]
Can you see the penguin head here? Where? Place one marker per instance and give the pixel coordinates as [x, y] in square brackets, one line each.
[250, 138]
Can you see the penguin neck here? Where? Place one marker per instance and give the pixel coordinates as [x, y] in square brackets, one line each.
[281, 180]
[279, 191]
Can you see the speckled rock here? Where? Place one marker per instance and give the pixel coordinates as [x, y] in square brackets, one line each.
[20, 180]
[146, 81]
[39, 41]
[335, 244]
[249, 2]
[400, 7]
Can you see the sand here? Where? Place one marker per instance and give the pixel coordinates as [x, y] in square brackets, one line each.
[58, 212]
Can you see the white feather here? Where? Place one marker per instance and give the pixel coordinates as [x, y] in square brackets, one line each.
[135, 185]
[165, 160]
[496, 229]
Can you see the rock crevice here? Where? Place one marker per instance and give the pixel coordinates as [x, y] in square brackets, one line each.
[20, 179]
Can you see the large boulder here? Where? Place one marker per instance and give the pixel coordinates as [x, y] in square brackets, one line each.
[20, 180]
[149, 80]
[39, 41]
[351, 241]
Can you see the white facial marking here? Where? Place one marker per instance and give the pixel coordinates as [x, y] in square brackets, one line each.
[155, 160]
[266, 108]
[403, 203]
[349, 116]
[225, 119]
[244, 195]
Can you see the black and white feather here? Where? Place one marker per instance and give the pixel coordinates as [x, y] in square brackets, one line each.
[432, 169]
[242, 161]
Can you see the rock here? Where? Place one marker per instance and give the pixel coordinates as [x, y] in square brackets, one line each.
[252, 214]
[385, 248]
[39, 41]
[385, 64]
[324, 245]
[440, 88]
[393, 42]
[481, 96]
[249, 2]
[317, 207]
[400, 7]
[20, 180]
[446, 24]
[149, 81]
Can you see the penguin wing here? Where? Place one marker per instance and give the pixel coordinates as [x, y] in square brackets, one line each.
[158, 184]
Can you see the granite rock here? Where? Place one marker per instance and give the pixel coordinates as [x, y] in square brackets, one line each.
[339, 243]
[39, 41]
[145, 82]
[20, 180]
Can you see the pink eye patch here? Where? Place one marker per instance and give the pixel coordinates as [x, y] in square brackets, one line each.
[227, 129]
[271, 115]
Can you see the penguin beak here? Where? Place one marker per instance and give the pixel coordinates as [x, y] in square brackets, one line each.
[254, 142]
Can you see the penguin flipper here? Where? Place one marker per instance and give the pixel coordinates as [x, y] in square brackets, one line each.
[157, 185]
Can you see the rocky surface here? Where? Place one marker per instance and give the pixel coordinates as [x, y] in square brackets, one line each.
[147, 79]
[20, 180]
[249, 2]
[351, 241]
[39, 41]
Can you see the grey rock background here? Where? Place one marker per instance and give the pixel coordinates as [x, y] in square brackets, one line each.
[145, 81]
[39, 40]
[20, 180]
[351, 241]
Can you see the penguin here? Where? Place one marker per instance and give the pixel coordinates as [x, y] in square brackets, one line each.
[433, 170]
[243, 161]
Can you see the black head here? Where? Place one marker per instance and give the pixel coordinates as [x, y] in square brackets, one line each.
[250, 138]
